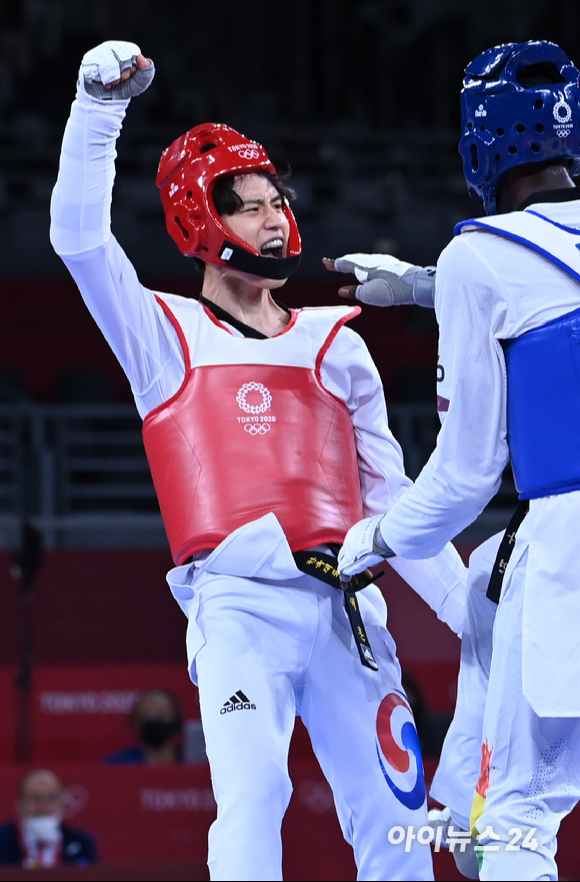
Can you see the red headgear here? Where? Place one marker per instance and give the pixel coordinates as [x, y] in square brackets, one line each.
[188, 170]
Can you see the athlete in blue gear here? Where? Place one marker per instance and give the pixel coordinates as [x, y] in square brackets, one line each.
[507, 298]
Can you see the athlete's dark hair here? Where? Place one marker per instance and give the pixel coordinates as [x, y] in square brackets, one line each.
[228, 202]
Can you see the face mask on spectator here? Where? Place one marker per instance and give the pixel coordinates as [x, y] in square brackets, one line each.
[156, 733]
[44, 828]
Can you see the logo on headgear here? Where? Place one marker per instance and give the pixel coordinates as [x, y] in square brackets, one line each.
[562, 114]
[246, 151]
[399, 752]
[250, 153]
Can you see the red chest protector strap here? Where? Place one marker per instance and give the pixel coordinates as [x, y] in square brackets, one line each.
[241, 440]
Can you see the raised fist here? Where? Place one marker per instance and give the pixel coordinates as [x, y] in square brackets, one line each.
[115, 71]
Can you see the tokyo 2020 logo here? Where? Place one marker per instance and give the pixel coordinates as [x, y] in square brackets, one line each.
[260, 401]
[242, 398]
[563, 115]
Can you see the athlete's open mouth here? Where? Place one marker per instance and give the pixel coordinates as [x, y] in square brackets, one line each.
[273, 248]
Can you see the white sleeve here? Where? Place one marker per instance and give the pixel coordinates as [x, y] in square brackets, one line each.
[127, 313]
[464, 471]
[349, 372]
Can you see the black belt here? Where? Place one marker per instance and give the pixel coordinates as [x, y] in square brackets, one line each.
[504, 552]
[325, 567]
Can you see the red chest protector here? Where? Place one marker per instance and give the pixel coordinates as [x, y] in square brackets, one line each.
[241, 440]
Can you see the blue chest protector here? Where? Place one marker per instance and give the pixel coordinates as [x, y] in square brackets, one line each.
[543, 370]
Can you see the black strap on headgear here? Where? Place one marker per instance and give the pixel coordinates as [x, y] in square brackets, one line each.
[266, 267]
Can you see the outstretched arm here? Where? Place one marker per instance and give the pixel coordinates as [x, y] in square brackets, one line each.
[465, 469]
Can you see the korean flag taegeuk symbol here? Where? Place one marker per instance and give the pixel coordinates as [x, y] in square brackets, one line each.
[399, 752]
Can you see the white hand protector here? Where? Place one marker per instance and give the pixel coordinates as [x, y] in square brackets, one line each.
[105, 63]
[387, 281]
[360, 549]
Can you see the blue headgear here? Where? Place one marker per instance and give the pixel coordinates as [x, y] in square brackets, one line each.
[519, 104]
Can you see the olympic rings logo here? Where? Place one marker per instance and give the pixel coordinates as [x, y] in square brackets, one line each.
[249, 153]
[254, 408]
[257, 428]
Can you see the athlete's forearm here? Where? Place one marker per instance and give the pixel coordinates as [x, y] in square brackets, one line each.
[81, 200]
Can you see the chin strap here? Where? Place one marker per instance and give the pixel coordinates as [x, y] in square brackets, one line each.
[266, 267]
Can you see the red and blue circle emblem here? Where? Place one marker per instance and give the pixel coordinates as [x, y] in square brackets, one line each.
[399, 752]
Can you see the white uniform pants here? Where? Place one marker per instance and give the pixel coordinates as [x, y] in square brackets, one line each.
[274, 649]
[535, 761]
[534, 770]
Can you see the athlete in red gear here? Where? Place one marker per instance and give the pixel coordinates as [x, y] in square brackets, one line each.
[267, 433]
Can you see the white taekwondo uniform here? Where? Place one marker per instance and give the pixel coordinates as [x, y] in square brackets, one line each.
[502, 278]
[264, 640]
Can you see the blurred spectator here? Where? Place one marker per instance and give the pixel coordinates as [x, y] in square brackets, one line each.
[156, 721]
[39, 838]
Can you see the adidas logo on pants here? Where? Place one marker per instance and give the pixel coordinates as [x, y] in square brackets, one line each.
[237, 702]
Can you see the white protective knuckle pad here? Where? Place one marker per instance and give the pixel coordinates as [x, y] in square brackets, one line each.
[105, 63]
[377, 292]
[357, 553]
[359, 264]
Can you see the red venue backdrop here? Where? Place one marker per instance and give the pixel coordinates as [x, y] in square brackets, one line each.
[157, 819]
[45, 327]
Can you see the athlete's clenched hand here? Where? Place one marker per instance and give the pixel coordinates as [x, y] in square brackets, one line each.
[115, 71]
[385, 280]
[363, 547]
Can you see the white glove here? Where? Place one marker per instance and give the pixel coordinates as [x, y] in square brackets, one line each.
[361, 549]
[387, 281]
[105, 63]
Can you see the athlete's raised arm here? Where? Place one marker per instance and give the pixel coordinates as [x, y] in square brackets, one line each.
[126, 312]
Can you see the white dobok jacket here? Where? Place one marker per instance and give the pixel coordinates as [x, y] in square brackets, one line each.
[147, 345]
[491, 288]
